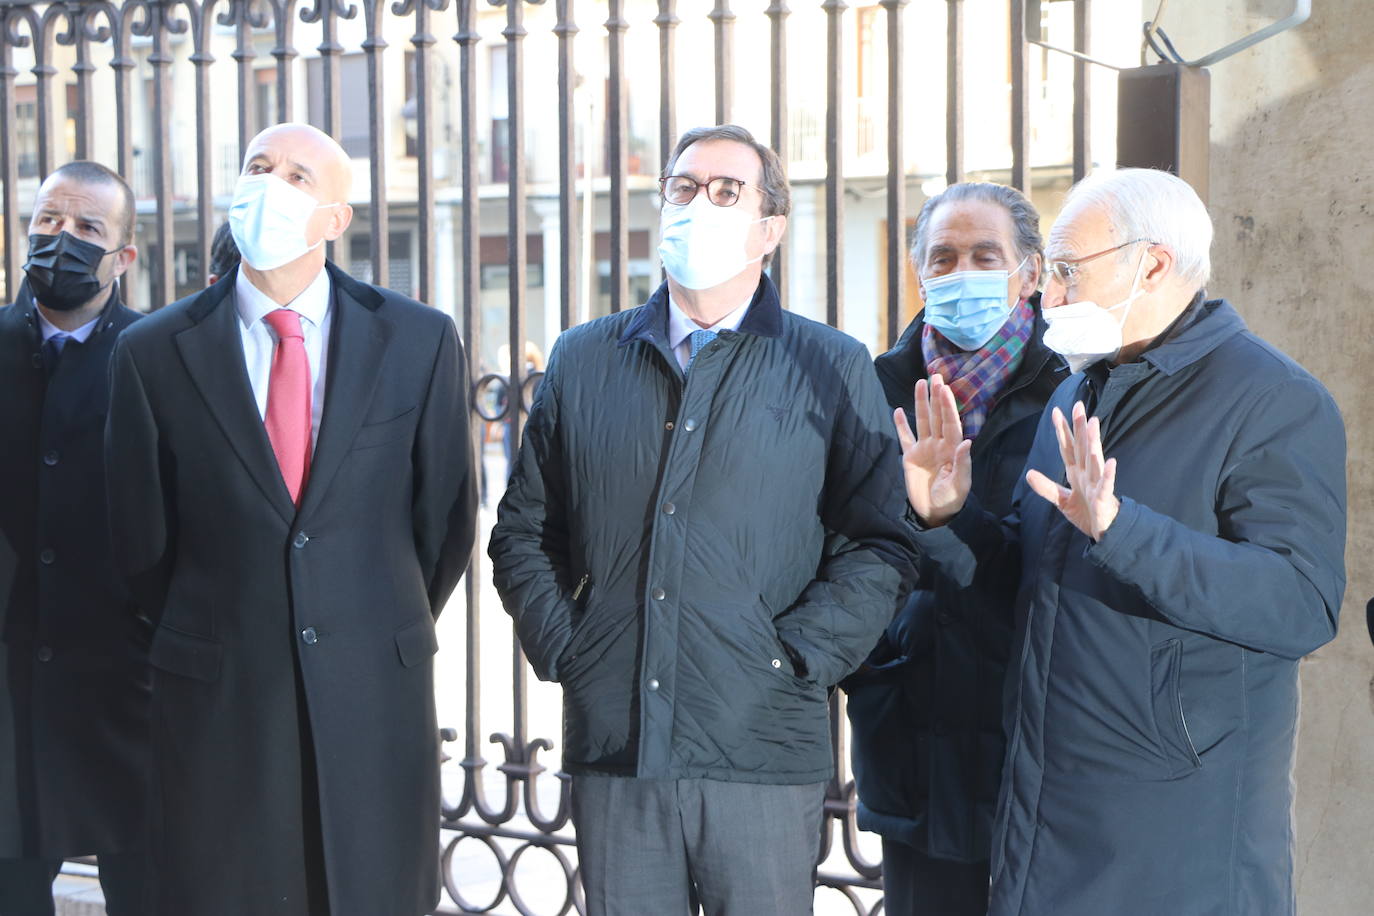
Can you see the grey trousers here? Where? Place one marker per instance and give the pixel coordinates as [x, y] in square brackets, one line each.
[646, 845]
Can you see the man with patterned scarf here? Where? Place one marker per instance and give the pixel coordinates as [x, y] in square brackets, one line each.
[926, 707]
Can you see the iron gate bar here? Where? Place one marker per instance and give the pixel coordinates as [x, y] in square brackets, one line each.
[667, 22]
[242, 17]
[202, 17]
[568, 236]
[43, 72]
[9, 160]
[379, 216]
[724, 21]
[1082, 91]
[423, 41]
[617, 123]
[777, 13]
[162, 25]
[834, 161]
[518, 758]
[1020, 100]
[895, 250]
[77, 34]
[954, 92]
[283, 19]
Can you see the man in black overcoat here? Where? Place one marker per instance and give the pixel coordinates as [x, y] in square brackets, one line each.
[73, 655]
[293, 502]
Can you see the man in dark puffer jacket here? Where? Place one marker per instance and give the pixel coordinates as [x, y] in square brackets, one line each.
[702, 534]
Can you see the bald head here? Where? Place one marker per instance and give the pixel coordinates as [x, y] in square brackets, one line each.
[306, 157]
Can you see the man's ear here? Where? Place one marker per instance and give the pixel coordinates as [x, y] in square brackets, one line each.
[772, 232]
[339, 218]
[1159, 267]
[124, 259]
[1030, 276]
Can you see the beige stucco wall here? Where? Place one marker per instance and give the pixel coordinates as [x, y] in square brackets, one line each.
[1292, 198]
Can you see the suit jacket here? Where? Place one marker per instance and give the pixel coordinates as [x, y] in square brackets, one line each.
[73, 680]
[293, 650]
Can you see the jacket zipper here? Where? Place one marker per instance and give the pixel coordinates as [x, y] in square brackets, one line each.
[581, 584]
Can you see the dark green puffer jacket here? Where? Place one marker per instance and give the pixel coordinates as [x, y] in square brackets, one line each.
[697, 559]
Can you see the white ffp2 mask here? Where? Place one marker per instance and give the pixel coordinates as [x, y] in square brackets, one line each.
[1083, 332]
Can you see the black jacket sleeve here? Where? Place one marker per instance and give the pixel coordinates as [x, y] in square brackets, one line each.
[529, 546]
[445, 497]
[867, 567]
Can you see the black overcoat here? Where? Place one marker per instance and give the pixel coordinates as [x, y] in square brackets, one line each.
[293, 650]
[73, 655]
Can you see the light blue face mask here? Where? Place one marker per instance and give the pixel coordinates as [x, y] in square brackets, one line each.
[969, 307]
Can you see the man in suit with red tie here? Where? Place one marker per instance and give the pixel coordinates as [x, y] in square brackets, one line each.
[292, 501]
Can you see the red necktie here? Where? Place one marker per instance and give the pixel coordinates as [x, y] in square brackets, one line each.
[288, 401]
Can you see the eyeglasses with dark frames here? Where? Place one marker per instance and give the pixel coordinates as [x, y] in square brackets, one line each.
[1066, 270]
[681, 190]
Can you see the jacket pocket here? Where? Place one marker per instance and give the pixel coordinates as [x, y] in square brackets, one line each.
[374, 434]
[1166, 665]
[416, 643]
[186, 655]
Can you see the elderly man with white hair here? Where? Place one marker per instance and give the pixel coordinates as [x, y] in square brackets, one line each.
[1176, 548]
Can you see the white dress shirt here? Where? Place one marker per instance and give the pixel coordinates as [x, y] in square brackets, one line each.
[51, 330]
[314, 305]
[680, 328]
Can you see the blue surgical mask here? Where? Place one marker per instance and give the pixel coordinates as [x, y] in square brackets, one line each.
[970, 306]
[268, 219]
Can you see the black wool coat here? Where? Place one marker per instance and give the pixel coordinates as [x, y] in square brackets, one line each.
[73, 654]
[293, 700]
[697, 558]
[926, 708]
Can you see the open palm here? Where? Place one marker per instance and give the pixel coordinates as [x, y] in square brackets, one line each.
[1089, 501]
[935, 460]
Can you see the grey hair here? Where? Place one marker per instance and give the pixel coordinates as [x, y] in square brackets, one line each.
[1154, 205]
[777, 195]
[1025, 219]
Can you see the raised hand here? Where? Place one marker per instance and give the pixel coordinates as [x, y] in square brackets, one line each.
[1089, 501]
[935, 461]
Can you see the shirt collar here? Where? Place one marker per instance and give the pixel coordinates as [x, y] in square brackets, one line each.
[51, 330]
[680, 327]
[253, 304]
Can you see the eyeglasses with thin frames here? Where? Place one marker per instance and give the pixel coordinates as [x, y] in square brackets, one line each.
[1066, 270]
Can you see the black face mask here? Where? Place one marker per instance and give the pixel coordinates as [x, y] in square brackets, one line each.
[62, 270]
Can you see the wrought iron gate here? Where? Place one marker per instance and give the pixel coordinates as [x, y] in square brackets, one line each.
[140, 85]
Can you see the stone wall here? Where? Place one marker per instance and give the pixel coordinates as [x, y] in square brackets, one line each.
[1292, 198]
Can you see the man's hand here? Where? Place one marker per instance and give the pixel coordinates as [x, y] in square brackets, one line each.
[935, 461]
[1089, 501]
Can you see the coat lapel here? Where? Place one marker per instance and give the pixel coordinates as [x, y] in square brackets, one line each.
[357, 347]
[212, 349]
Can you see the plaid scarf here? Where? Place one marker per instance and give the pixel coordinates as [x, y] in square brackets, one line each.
[977, 377]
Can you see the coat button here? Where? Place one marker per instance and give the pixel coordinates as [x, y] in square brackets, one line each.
[941, 727]
[777, 663]
[690, 425]
[669, 508]
[668, 425]
[38, 360]
[653, 683]
[945, 618]
[658, 594]
[51, 458]
[48, 556]
[44, 654]
[301, 538]
[309, 636]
